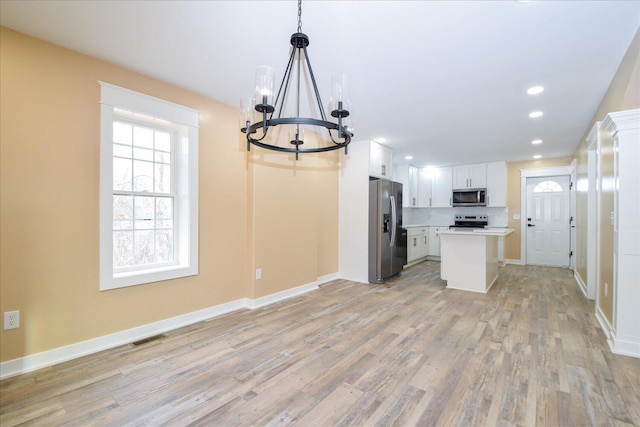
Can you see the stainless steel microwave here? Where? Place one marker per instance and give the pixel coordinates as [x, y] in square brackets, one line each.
[470, 197]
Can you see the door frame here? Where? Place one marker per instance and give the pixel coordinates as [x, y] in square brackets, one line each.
[539, 173]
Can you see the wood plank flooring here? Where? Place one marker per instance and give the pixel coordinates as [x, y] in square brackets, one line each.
[409, 352]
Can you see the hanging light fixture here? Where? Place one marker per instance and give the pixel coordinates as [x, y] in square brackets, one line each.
[271, 111]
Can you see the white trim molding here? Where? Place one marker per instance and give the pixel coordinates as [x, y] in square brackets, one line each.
[48, 358]
[624, 128]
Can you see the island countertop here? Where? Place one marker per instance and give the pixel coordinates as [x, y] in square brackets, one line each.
[480, 231]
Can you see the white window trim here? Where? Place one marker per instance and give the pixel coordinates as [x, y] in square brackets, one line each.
[186, 176]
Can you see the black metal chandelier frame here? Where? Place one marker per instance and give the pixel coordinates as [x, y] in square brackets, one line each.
[299, 41]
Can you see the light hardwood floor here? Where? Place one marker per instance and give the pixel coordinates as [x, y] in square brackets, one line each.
[408, 352]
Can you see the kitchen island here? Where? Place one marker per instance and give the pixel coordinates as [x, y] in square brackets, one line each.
[469, 259]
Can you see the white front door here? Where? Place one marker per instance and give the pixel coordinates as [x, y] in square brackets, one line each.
[548, 215]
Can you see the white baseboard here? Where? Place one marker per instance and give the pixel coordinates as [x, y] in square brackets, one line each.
[606, 327]
[617, 345]
[44, 359]
[512, 261]
[625, 347]
[581, 284]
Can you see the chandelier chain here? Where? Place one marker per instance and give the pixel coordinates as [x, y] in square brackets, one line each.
[299, 16]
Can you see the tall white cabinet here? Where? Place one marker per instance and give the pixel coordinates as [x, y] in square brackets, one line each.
[624, 128]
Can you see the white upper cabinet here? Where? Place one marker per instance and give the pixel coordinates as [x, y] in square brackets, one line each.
[408, 177]
[497, 184]
[442, 189]
[470, 176]
[424, 182]
[380, 158]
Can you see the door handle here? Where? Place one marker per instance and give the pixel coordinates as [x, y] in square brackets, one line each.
[531, 225]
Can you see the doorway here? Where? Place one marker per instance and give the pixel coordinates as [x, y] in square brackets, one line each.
[548, 244]
[548, 219]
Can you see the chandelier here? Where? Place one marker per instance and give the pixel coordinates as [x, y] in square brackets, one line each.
[270, 111]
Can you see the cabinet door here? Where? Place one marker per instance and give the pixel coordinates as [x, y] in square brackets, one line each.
[425, 187]
[413, 187]
[461, 176]
[375, 159]
[478, 175]
[386, 165]
[434, 241]
[401, 174]
[380, 160]
[497, 184]
[441, 196]
[413, 250]
[470, 176]
[424, 243]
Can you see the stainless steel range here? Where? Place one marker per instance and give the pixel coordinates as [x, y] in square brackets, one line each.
[467, 222]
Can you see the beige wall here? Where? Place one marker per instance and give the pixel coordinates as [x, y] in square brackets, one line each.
[512, 242]
[282, 219]
[623, 94]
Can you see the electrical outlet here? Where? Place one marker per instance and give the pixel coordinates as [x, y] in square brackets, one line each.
[258, 273]
[606, 289]
[11, 320]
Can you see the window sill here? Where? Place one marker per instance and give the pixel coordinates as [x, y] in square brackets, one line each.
[133, 278]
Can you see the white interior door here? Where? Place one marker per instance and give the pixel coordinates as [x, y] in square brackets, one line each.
[548, 215]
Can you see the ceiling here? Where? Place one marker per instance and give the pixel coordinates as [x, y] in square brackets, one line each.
[443, 81]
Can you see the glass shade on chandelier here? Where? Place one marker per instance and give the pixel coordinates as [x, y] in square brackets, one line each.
[263, 112]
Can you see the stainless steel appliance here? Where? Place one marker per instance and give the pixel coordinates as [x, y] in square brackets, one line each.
[470, 197]
[467, 222]
[387, 238]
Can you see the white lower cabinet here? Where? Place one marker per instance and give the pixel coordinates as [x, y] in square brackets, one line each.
[417, 243]
[434, 240]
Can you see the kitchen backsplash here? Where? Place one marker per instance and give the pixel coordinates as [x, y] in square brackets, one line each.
[498, 217]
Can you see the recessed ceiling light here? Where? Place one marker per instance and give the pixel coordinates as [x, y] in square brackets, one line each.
[536, 141]
[408, 157]
[536, 114]
[537, 156]
[535, 90]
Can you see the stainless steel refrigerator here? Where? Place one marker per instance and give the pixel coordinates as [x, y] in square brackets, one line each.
[387, 238]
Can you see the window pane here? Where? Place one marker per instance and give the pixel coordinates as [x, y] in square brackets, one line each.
[164, 213]
[163, 141]
[164, 207]
[122, 174]
[162, 157]
[122, 212]
[122, 249]
[144, 213]
[122, 151]
[122, 133]
[142, 176]
[142, 137]
[143, 154]
[164, 246]
[144, 251]
[163, 178]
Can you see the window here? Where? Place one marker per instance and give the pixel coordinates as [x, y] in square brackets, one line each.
[148, 189]
[548, 187]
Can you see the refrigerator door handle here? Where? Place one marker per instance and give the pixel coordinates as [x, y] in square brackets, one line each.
[394, 218]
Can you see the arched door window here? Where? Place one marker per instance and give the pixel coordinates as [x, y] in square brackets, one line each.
[548, 187]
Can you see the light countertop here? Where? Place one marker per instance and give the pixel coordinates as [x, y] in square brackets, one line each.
[481, 232]
[422, 225]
